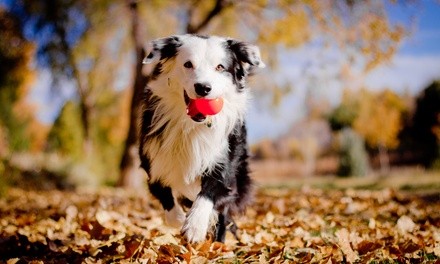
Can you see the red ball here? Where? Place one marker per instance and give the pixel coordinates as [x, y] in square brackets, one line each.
[205, 106]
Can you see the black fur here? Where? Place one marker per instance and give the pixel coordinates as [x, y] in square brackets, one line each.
[163, 194]
[240, 50]
[228, 185]
[239, 55]
[169, 50]
[156, 72]
[185, 202]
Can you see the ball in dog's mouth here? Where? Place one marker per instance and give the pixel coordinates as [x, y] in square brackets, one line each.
[198, 109]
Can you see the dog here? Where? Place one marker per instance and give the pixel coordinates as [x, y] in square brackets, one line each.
[198, 165]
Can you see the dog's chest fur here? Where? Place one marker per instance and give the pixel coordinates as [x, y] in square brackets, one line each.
[180, 150]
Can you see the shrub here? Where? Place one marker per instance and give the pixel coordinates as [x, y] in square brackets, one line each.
[352, 153]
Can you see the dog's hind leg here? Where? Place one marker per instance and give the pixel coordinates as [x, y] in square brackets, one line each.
[225, 223]
[220, 228]
[232, 227]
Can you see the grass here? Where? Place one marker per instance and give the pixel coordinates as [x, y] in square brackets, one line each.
[407, 179]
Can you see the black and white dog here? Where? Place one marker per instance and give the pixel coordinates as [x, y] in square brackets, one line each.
[198, 162]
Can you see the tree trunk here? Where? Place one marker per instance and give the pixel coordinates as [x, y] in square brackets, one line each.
[131, 174]
[384, 160]
[220, 6]
[86, 104]
[86, 108]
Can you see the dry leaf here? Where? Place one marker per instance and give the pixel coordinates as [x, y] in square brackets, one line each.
[12, 261]
[165, 239]
[283, 226]
[405, 224]
[367, 246]
[344, 243]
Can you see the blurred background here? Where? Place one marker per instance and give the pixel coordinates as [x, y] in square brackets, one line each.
[350, 89]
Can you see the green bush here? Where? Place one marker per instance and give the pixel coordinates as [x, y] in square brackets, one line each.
[352, 153]
[67, 135]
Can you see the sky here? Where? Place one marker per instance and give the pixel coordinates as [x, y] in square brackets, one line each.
[415, 65]
[417, 62]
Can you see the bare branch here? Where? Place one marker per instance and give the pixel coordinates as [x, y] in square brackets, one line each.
[220, 6]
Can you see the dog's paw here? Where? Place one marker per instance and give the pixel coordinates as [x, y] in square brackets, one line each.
[197, 222]
[175, 217]
[194, 231]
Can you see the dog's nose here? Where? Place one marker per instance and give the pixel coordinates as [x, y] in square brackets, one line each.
[202, 89]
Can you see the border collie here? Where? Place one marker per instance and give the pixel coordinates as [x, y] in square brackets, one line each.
[197, 165]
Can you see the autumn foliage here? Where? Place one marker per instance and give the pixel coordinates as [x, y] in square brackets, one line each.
[101, 59]
[283, 226]
[93, 52]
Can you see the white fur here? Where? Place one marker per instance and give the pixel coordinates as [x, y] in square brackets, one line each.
[190, 148]
[186, 149]
[198, 220]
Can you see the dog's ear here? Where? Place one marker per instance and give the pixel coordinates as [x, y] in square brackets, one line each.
[246, 53]
[163, 48]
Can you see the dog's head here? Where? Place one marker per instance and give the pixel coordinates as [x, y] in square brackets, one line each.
[193, 66]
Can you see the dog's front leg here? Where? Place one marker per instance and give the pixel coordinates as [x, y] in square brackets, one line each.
[198, 219]
[174, 215]
[202, 214]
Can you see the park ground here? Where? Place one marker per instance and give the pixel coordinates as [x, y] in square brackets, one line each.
[379, 219]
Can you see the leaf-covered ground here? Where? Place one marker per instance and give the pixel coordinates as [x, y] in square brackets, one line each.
[283, 226]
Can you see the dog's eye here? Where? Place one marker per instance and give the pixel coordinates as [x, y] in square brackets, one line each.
[220, 68]
[188, 65]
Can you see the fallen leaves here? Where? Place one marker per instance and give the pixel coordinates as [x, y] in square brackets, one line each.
[343, 241]
[283, 226]
[405, 224]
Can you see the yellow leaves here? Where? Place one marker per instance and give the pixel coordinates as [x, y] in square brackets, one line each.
[291, 30]
[37, 132]
[379, 118]
[363, 27]
[378, 39]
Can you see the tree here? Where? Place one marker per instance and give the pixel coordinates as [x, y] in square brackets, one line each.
[379, 122]
[426, 123]
[129, 162]
[65, 137]
[62, 24]
[376, 117]
[55, 51]
[16, 76]
[344, 114]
